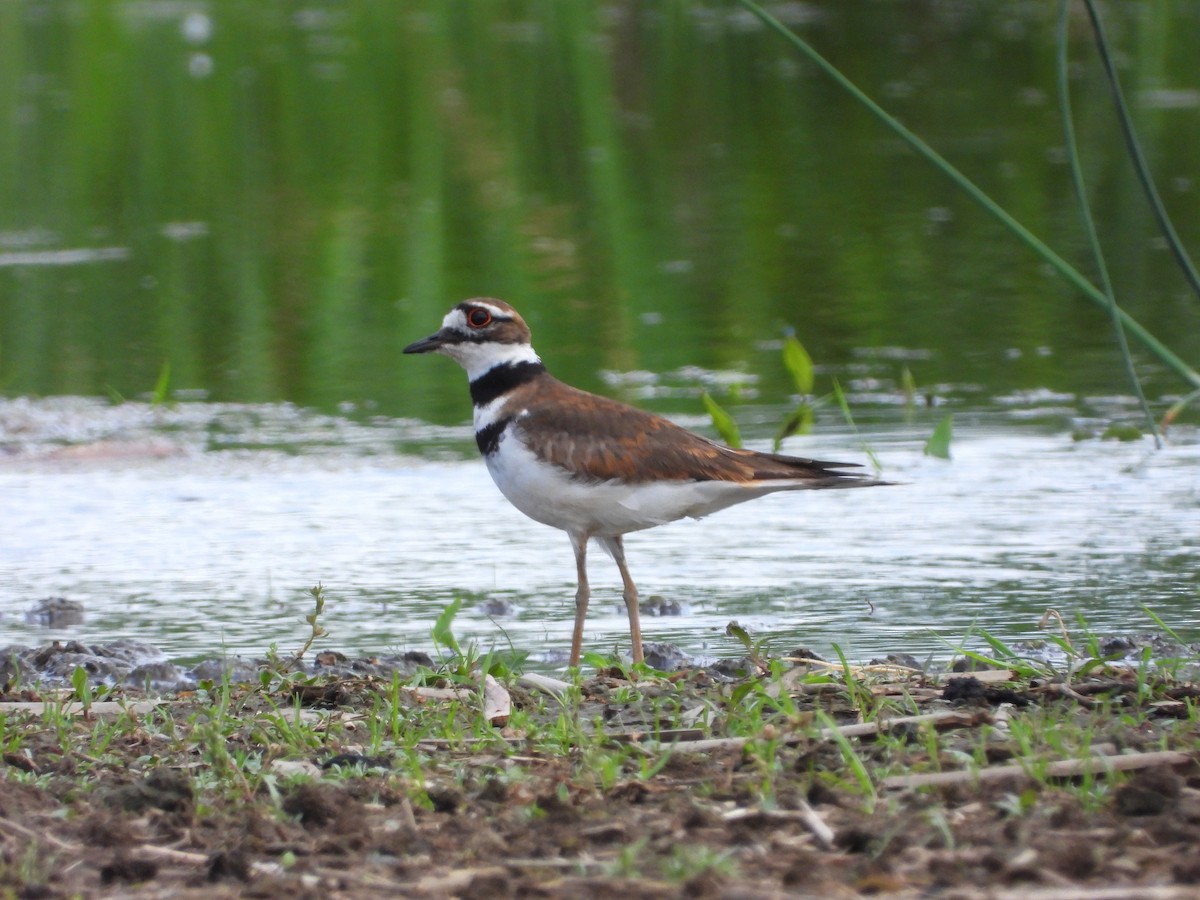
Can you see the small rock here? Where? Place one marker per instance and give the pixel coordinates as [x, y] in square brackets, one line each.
[664, 657]
[165, 789]
[235, 668]
[656, 605]
[289, 768]
[159, 676]
[806, 653]
[732, 668]
[967, 664]
[898, 659]
[12, 669]
[330, 658]
[132, 871]
[1117, 646]
[228, 865]
[497, 606]
[100, 670]
[130, 653]
[1148, 793]
[963, 690]
[55, 612]
[446, 797]
[315, 805]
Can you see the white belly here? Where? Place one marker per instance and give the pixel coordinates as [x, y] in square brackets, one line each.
[548, 494]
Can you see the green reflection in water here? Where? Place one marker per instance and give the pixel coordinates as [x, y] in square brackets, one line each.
[277, 199]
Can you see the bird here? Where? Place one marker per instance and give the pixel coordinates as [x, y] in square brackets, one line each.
[592, 466]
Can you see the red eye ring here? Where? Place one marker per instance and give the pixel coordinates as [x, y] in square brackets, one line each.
[479, 318]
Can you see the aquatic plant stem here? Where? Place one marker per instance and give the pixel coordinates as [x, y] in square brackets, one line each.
[1135, 152]
[1089, 290]
[1085, 211]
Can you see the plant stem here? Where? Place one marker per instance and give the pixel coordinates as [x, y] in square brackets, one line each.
[1089, 290]
[1085, 212]
[1135, 152]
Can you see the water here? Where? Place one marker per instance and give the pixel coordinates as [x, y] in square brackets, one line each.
[168, 539]
[272, 201]
[249, 209]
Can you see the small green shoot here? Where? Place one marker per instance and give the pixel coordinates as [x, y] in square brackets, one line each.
[799, 422]
[315, 629]
[799, 364]
[851, 684]
[908, 387]
[688, 861]
[938, 445]
[852, 760]
[162, 387]
[1169, 417]
[755, 650]
[840, 396]
[800, 367]
[722, 421]
[442, 633]
[1167, 630]
[82, 687]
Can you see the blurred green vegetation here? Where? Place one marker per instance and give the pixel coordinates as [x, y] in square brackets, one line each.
[280, 197]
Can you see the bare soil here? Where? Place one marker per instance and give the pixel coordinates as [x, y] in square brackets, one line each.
[154, 813]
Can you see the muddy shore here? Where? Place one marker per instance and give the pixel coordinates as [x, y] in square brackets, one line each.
[767, 778]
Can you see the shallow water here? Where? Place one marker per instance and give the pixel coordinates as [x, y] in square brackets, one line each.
[170, 539]
[254, 205]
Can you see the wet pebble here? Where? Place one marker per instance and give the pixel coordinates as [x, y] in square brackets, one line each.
[907, 660]
[236, 669]
[732, 669]
[657, 605]
[142, 665]
[402, 664]
[497, 607]
[664, 657]
[55, 612]
[1148, 793]
[159, 676]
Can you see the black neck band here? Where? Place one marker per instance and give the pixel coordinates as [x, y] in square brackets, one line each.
[499, 380]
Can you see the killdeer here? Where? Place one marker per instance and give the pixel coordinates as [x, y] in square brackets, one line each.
[594, 467]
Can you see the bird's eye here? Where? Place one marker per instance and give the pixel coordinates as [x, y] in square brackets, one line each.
[479, 318]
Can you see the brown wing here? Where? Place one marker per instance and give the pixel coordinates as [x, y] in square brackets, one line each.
[598, 439]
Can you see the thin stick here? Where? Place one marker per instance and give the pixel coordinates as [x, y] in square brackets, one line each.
[1063, 768]
[948, 719]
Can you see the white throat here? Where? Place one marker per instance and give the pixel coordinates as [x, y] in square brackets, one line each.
[479, 359]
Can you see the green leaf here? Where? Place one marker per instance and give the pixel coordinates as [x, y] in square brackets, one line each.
[162, 387]
[939, 442]
[908, 387]
[844, 405]
[734, 630]
[442, 634]
[79, 680]
[798, 363]
[722, 421]
[799, 422]
[83, 688]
